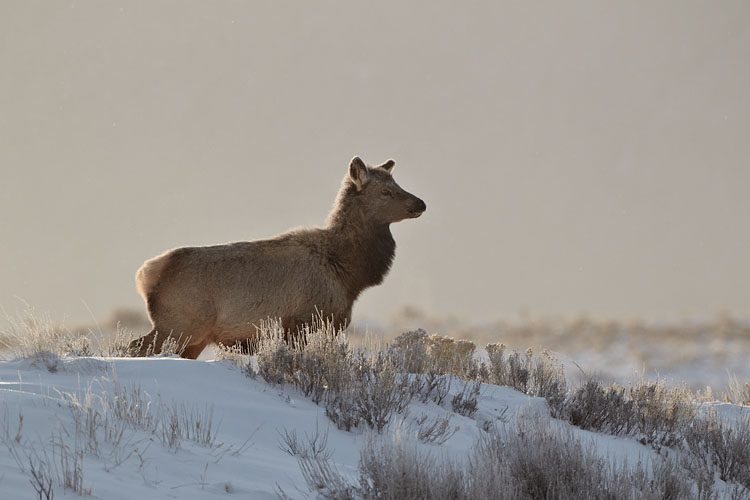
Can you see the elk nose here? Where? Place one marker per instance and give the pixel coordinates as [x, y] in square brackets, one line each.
[421, 205]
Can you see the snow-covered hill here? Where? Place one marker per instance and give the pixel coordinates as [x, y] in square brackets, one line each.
[201, 430]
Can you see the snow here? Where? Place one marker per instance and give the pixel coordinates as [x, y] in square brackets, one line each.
[247, 459]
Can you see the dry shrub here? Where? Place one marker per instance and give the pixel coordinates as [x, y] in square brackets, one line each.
[431, 386]
[662, 414]
[545, 463]
[318, 361]
[409, 352]
[451, 356]
[417, 352]
[373, 395]
[234, 353]
[738, 393]
[718, 447]
[360, 387]
[548, 380]
[275, 357]
[465, 402]
[540, 376]
[599, 408]
[41, 480]
[355, 387]
[315, 445]
[324, 364]
[436, 430]
[529, 461]
[657, 415]
[398, 471]
[323, 479]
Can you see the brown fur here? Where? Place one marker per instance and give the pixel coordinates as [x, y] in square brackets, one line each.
[220, 294]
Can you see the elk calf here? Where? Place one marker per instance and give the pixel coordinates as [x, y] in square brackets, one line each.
[220, 294]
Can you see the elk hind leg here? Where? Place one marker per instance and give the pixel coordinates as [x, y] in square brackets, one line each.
[145, 345]
[194, 349]
[153, 342]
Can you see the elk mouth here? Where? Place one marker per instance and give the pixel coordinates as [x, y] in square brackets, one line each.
[413, 214]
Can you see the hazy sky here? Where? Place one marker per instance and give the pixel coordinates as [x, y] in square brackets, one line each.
[574, 156]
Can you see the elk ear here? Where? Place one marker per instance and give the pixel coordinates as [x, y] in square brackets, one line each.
[358, 172]
[388, 166]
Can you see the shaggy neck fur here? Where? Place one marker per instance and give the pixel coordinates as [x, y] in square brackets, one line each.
[361, 250]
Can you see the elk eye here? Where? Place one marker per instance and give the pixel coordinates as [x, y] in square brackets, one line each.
[386, 192]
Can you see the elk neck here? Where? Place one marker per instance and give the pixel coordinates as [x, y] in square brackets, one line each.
[361, 252]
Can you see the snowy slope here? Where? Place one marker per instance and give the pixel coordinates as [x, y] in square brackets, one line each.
[249, 416]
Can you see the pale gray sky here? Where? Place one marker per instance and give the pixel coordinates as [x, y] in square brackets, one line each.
[574, 156]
